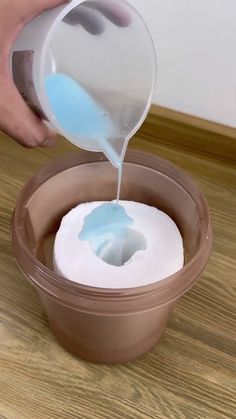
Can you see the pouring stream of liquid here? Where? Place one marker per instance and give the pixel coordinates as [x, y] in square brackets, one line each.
[107, 228]
[81, 117]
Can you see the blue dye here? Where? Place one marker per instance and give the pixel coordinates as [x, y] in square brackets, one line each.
[79, 115]
[106, 229]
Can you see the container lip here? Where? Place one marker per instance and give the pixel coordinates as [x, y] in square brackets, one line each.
[83, 158]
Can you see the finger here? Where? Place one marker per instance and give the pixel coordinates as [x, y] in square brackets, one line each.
[50, 141]
[117, 13]
[86, 17]
[33, 8]
[24, 11]
[18, 121]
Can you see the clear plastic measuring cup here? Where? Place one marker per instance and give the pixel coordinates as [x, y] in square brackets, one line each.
[89, 69]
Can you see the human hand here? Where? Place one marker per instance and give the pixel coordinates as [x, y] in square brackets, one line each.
[16, 118]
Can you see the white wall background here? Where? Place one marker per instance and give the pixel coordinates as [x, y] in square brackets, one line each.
[196, 48]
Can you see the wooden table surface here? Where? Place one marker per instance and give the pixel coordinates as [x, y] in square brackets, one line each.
[190, 374]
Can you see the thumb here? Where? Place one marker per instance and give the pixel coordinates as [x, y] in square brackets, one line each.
[18, 121]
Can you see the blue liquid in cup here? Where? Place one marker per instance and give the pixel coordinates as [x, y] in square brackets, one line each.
[79, 115]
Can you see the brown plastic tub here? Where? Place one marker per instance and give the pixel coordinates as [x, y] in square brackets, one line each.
[104, 325]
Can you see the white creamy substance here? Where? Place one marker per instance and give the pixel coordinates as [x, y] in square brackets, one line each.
[163, 255]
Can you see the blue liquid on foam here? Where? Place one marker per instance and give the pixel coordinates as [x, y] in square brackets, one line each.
[79, 114]
[106, 229]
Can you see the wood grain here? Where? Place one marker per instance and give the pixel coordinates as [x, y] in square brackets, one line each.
[193, 121]
[190, 133]
[190, 374]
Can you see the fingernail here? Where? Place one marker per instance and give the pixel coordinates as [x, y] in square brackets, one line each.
[49, 142]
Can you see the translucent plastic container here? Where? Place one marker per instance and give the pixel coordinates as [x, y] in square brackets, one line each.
[89, 69]
[104, 325]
